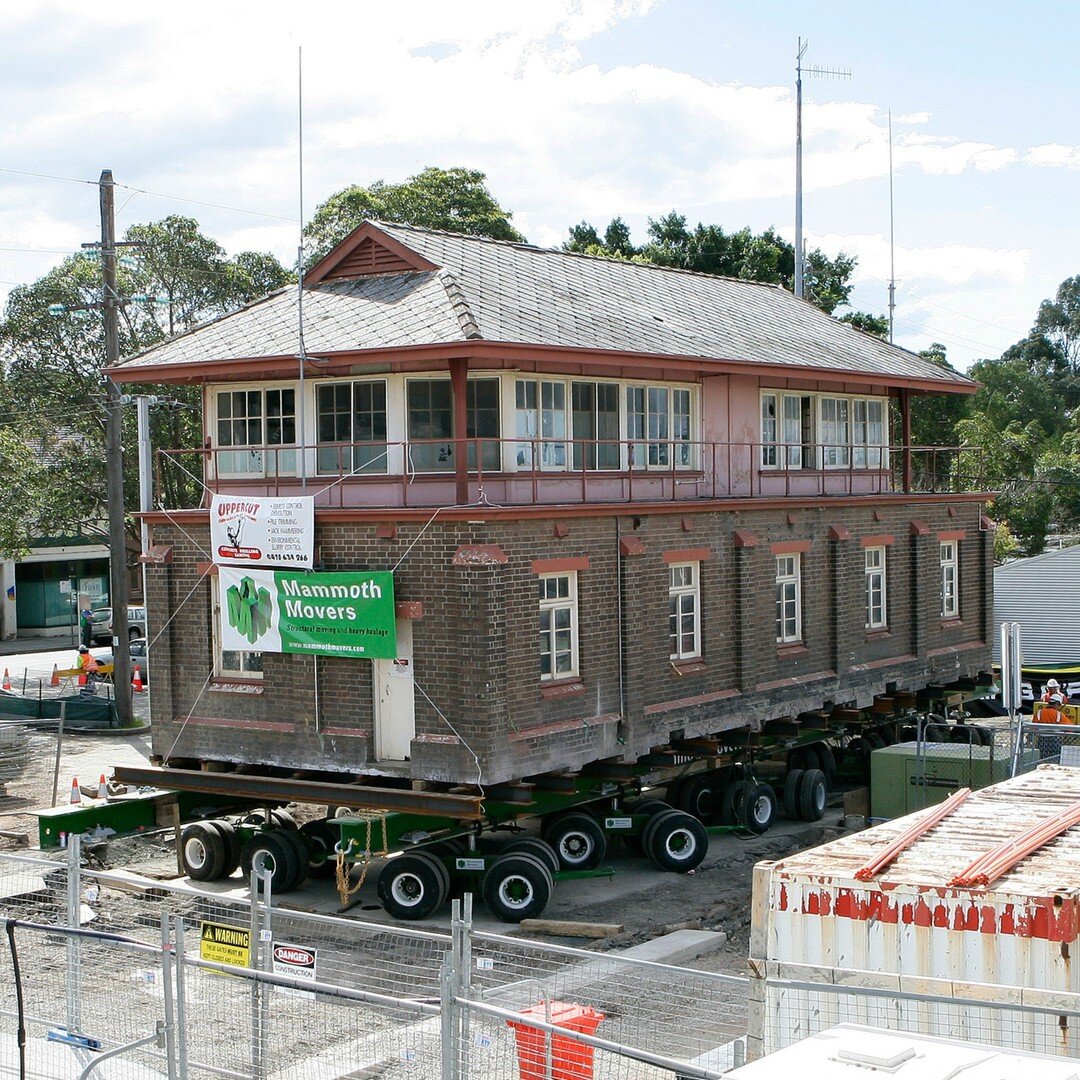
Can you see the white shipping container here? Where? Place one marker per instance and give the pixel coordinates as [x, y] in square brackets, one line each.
[815, 922]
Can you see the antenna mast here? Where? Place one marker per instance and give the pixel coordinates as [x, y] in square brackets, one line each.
[892, 241]
[301, 404]
[821, 73]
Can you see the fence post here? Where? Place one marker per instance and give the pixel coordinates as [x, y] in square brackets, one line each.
[181, 999]
[464, 979]
[74, 951]
[448, 1017]
[258, 960]
[167, 974]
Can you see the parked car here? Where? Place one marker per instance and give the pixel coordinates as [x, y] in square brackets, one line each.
[136, 624]
[101, 626]
[137, 648]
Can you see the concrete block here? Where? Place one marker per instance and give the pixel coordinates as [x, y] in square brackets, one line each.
[677, 948]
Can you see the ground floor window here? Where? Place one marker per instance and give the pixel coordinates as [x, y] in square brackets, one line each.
[875, 588]
[788, 598]
[950, 574]
[558, 625]
[231, 663]
[684, 607]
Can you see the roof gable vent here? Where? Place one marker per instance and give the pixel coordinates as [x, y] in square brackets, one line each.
[366, 252]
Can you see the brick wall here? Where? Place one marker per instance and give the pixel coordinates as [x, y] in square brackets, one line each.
[478, 692]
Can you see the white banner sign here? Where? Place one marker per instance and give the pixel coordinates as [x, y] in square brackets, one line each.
[256, 531]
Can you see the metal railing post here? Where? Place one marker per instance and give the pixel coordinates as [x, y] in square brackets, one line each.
[464, 982]
[74, 947]
[447, 1016]
[181, 999]
[168, 971]
[258, 959]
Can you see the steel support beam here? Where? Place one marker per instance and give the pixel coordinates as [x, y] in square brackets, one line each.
[285, 790]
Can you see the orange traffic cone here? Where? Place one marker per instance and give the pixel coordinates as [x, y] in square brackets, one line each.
[55, 680]
[136, 680]
[7, 680]
[76, 794]
[102, 790]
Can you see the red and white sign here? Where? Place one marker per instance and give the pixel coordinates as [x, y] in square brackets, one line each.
[252, 530]
[295, 961]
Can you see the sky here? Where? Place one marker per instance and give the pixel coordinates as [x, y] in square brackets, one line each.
[576, 110]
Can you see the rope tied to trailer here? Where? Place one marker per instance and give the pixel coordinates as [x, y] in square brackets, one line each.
[344, 863]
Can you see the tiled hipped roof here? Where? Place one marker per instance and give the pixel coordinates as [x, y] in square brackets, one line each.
[515, 293]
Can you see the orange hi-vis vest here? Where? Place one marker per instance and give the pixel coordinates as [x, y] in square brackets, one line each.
[1051, 714]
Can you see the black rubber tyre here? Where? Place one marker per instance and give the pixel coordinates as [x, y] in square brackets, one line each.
[935, 733]
[232, 846]
[649, 806]
[673, 793]
[284, 820]
[827, 758]
[908, 733]
[791, 794]
[413, 885]
[874, 741]
[281, 856]
[813, 795]
[299, 845]
[203, 851]
[537, 848]
[799, 758]
[700, 796]
[676, 841]
[758, 807]
[578, 840]
[886, 733]
[320, 841]
[986, 736]
[730, 801]
[516, 887]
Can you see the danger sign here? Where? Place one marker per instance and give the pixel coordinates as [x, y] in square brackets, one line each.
[223, 944]
[295, 961]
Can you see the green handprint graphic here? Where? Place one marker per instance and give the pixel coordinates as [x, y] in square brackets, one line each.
[249, 609]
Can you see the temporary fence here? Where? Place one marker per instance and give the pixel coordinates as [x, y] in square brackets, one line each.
[130, 977]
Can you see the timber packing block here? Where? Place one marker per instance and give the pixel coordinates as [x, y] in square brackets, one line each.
[561, 928]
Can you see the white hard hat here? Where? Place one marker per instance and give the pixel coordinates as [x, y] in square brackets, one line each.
[1056, 699]
[1052, 682]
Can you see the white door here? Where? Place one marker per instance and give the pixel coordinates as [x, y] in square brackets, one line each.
[395, 717]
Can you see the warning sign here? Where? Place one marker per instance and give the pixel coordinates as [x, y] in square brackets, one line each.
[296, 961]
[223, 944]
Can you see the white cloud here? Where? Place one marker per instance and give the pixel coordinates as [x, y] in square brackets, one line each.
[912, 118]
[1055, 155]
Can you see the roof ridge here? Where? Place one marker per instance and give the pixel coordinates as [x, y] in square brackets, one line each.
[466, 320]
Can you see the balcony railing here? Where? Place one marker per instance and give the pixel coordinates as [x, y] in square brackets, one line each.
[516, 472]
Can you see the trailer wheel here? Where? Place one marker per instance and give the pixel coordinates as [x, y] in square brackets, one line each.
[758, 807]
[675, 841]
[984, 734]
[799, 758]
[874, 741]
[827, 761]
[728, 801]
[319, 842]
[413, 885]
[700, 796]
[281, 857]
[578, 840]
[791, 794]
[203, 851]
[537, 848]
[886, 734]
[517, 887]
[284, 820]
[813, 795]
[232, 846]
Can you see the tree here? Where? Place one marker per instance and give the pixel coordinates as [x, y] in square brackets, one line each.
[878, 325]
[456, 200]
[708, 249]
[51, 342]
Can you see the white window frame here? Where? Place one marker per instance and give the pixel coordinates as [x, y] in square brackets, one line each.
[220, 670]
[479, 376]
[259, 452]
[875, 566]
[379, 464]
[788, 579]
[684, 598]
[783, 447]
[550, 605]
[949, 558]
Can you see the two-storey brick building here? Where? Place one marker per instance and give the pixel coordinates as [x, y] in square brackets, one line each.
[622, 504]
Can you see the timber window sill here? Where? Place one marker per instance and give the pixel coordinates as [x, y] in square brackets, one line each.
[951, 624]
[878, 633]
[562, 688]
[691, 666]
[235, 686]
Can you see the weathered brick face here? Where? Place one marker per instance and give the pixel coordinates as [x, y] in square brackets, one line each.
[481, 707]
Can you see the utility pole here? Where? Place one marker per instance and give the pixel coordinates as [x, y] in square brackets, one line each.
[114, 460]
[892, 241]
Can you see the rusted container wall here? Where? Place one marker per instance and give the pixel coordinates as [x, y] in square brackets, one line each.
[907, 931]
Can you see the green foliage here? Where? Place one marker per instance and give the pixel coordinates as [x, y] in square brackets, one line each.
[708, 249]
[53, 361]
[878, 325]
[456, 200]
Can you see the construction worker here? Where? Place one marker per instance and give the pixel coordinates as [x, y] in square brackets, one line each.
[1052, 687]
[1053, 712]
[87, 665]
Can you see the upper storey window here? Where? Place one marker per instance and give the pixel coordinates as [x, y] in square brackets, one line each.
[255, 423]
[351, 427]
[817, 431]
[430, 406]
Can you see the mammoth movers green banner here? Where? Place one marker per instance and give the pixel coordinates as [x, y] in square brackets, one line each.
[289, 611]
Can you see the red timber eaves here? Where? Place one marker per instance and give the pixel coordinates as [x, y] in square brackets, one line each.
[329, 514]
[401, 357]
